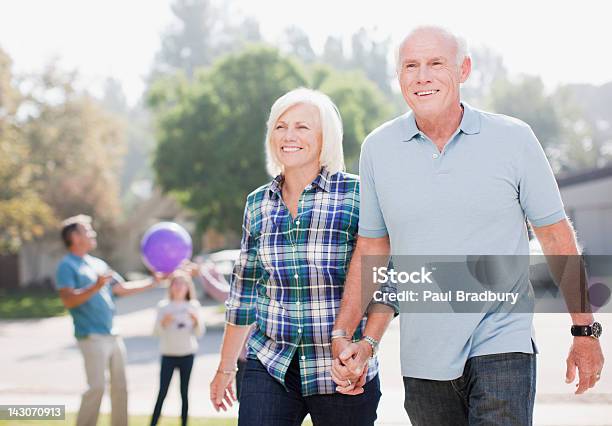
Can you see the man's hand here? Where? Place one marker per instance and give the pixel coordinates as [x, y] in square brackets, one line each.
[190, 267]
[350, 365]
[102, 280]
[585, 353]
[355, 358]
[158, 278]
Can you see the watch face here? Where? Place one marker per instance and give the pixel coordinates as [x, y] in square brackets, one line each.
[596, 327]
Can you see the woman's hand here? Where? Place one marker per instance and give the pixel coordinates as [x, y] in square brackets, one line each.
[222, 390]
[166, 320]
[194, 318]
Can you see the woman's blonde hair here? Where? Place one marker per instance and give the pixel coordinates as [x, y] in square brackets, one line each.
[186, 278]
[332, 155]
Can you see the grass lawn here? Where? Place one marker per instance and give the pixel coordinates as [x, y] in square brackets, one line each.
[18, 304]
[104, 420]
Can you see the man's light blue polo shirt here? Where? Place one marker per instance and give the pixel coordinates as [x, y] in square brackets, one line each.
[95, 315]
[470, 199]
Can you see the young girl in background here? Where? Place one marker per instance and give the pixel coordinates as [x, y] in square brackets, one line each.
[178, 326]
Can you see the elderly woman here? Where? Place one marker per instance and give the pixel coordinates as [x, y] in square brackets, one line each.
[299, 232]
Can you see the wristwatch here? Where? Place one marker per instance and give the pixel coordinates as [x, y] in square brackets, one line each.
[373, 343]
[593, 330]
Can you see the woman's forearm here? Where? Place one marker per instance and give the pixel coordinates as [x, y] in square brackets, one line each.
[233, 342]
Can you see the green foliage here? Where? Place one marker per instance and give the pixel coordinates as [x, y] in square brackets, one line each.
[76, 147]
[59, 155]
[362, 105]
[23, 214]
[30, 304]
[201, 32]
[555, 118]
[211, 132]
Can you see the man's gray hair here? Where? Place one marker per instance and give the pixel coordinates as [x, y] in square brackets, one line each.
[460, 41]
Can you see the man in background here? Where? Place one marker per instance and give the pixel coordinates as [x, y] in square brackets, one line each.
[88, 287]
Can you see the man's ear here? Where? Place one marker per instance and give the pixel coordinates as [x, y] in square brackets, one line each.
[465, 69]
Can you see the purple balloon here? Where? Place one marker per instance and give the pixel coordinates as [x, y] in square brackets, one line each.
[164, 246]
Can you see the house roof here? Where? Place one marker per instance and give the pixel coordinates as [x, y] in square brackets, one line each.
[586, 176]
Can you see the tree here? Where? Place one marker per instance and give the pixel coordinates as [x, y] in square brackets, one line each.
[487, 69]
[23, 214]
[75, 146]
[370, 56]
[299, 44]
[139, 139]
[210, 132]
[362, 105]
[333, 53]
[555, 119]
[200, 34]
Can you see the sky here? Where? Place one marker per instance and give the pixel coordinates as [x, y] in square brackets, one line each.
[562, 41]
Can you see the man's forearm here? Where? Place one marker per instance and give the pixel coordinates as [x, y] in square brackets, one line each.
[133, 287]
[357, 294]
[559, 244]
[72, 298]
[378, 322]
[351, 307]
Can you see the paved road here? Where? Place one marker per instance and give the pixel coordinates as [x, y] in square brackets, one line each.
[41, 364]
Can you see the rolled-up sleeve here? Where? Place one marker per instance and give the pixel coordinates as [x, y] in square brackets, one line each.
[240, 304]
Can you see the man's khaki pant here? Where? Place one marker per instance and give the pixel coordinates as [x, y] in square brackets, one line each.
[100, 353]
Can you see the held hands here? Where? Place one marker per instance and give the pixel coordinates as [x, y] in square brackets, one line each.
[222, 389]
[585, 354]
[350, 365]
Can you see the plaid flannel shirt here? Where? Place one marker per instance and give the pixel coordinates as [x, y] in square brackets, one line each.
[290, 275]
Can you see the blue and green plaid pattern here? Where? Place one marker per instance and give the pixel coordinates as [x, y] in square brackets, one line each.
[290, 275]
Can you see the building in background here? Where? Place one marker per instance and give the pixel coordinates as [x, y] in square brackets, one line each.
[588, 202]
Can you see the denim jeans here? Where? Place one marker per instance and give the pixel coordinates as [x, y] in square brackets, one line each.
[265, 402]
[497, 389]
[168, 364]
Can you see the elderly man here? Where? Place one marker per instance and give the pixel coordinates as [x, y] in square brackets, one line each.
[87, 287]
[447, 179]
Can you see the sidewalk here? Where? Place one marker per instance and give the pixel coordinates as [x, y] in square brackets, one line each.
[42, 365]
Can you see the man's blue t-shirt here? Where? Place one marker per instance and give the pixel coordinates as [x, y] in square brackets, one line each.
[95, 315]
[470, 199]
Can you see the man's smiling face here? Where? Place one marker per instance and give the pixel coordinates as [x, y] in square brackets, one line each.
[428, 73]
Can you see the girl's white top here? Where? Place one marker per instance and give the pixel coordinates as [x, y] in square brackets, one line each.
[179, 337]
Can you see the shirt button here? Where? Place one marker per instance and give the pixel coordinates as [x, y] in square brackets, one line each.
[434, 156]
[295, 276]
[297, 303]
[299, 330]
[297, 222]
[303, 357]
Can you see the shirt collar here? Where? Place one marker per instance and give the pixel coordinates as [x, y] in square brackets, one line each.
[322, 181]
[470, 123]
